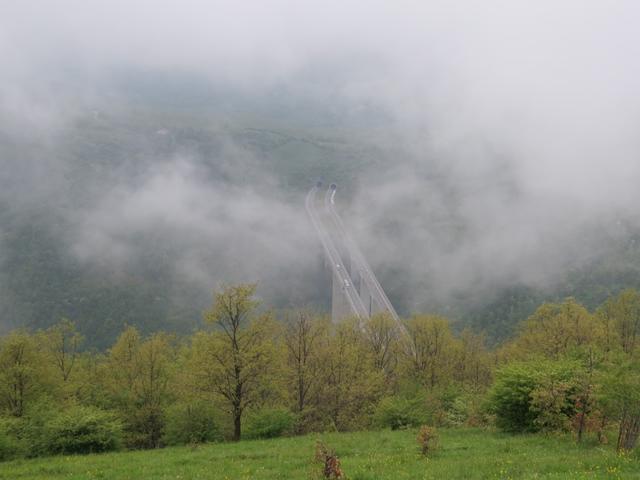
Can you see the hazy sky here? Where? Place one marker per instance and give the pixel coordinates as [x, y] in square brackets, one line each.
[529, 112]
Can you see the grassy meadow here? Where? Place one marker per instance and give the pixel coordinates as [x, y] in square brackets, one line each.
[385, 455]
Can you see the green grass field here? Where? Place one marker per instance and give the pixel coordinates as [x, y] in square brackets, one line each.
[463, 453]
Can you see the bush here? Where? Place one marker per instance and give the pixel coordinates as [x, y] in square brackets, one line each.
[191, 423]
[458, 412]
[144, 426]
[401, 412]
[414, 407]
[511, 398]
[445, 407]
[83, 430]
[620, 399]
[10, 446]
[534, 396]
[467, 409]
[31, 428]
[45, 431]
[270, 423]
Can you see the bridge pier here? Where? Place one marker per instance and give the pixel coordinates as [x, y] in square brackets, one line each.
[355, 292]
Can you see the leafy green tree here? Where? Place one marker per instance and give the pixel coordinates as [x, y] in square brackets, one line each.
[139, 373]
[123, 366]
[428, 349]
[63, 343]
[304, 338]
[23, 372]
[472, 367]
[351, 385]
[381, 336]
[588, 411]
[235, 361]
[91, 376]
[61, 347]
[155, 358]
[557, 329]
[621, 314]
[620, 396]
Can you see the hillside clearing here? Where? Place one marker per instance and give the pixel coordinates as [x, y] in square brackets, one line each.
[463, 453]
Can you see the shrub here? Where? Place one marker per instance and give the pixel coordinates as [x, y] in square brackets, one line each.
[440, 406]
[83, 430]
[427, 439]
[144, 426]
[447, 406]
[45, 431]
[400, 412]
[467, 409]
[620, 399]
[32, 427]
[511, 398]
[191, 423]
[533, 396]
[458, 412]
[10, 446]
[270, 423]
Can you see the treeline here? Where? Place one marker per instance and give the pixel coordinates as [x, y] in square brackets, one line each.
[249, 375]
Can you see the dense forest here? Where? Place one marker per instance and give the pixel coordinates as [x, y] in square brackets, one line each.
[251, 374]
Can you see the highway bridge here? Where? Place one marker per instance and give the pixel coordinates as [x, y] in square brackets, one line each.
[356, 291]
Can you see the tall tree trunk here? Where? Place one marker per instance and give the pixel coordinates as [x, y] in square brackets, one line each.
[237, 425]
[629, 432]
[581, 425]
[237, 407]
[632, 436]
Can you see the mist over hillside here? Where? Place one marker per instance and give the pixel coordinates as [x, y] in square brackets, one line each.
[486, 157]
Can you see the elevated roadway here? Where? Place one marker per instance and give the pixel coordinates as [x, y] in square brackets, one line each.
[359, 286]
[342, 283]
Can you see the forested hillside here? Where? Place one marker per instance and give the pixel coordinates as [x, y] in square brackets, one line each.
[91, 228]
[45, 275]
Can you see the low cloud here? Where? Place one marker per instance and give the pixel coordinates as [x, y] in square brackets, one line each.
[498, 138]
